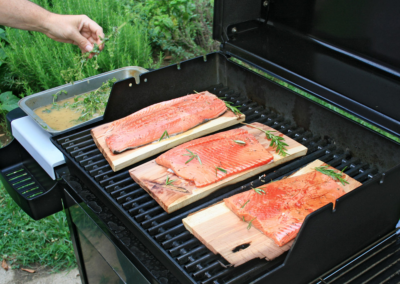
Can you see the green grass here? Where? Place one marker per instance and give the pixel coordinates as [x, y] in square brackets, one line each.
[24, 241]
[322, 102]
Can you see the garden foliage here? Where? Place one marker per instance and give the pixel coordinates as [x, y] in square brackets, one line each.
[181, 28]
[24, 241]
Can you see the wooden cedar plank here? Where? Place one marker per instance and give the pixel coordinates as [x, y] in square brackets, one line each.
[218, 228]
[130, 157]
[151, 176]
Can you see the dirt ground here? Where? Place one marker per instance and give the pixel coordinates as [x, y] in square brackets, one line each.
[41, 276]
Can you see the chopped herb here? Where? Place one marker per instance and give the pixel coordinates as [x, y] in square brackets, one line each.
[259, 191]
[220, 169]
[168, 181]
[276, 141]
[46, 110]
[250, 223]
[245, 204]
[55, 96]
[164, 134]
[337, 176]
[243, 219]
[240, 142]
[192, 156]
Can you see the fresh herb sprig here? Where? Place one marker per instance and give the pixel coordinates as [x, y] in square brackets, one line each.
[168, 181]
[259, 191]
[250, 223]
[94, 102]
[337, 176]
[192, 156]
[81, 61]
[245, 204]
[276, 141]
[165, 134]
[234, 109]
[229, 105]
[240, 142]
[221, 170]
[89, 104]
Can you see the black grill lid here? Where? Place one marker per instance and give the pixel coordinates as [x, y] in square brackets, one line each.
[346, 52]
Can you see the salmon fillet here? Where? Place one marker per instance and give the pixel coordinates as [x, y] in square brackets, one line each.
[218, 150]
[281, 210]
[174, 116]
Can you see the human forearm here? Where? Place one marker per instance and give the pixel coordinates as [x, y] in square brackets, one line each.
[76, 29]
[23, 14]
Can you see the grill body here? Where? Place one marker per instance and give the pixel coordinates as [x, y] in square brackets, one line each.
[328, 236]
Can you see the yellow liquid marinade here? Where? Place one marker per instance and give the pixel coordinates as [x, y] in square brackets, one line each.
[63, 118]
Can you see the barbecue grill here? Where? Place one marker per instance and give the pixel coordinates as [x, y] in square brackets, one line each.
[341, 52]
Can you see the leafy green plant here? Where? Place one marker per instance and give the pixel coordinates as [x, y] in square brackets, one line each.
[35, 62]
[8, 102]
[182, 28]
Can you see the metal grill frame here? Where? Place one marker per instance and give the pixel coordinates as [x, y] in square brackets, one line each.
[155, 247]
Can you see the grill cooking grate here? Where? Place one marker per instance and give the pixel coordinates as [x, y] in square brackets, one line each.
[379, 263]
[168, 231]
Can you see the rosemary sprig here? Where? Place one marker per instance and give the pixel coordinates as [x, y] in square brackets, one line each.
[259, 191]
[240, 142]
[192, 156]
[168, 181]
[251, 223]
[221, 170]
[165, 134]
[245, 203]
[81, 61]
[234, 109]
[229, 105]
[276, 141]
[337, 176]
[55, 96]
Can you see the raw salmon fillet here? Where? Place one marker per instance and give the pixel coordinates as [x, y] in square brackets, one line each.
[174, 116]
[218, 150]
[281, 210]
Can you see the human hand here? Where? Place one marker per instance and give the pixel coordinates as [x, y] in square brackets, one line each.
[76, 29]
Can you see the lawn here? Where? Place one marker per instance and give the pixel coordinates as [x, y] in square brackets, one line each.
[24, 241]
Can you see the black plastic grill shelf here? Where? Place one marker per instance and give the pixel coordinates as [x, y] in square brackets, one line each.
[22, 181]
[167, 231]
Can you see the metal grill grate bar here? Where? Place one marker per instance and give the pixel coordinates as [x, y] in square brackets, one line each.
[167, 230]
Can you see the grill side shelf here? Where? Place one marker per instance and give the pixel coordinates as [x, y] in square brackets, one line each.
[30, 194]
